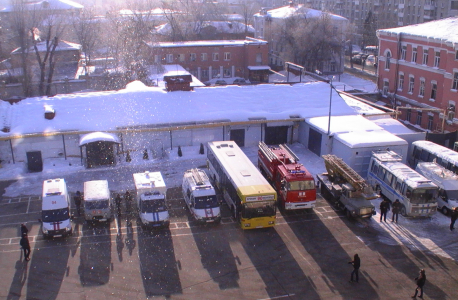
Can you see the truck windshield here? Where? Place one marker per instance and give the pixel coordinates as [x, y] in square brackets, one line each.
[99, 204]
[152, 206]
[205, 202]
[452, 194]
[55, 215]
[422, 196]
[258, 209]
[301, 185]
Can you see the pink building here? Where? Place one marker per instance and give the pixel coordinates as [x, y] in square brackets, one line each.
[418, 69]
[216, 58]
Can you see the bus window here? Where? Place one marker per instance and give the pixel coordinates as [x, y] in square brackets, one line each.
[439, 161]
[431, 157]
[398, 186]
[416, 153]
[422, 196]
[408, 192]
[381, 173]
[374, 168]
[388, 178]
[424, 155]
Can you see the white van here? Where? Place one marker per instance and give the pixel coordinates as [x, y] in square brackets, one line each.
[151, 199]
[55, 211]
[446, 180]
[97, 201]
[200, 196]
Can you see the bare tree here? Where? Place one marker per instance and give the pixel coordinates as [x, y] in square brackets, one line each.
[86, 28]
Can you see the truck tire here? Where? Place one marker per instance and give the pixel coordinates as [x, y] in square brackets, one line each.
[403, 211]
[445, 210]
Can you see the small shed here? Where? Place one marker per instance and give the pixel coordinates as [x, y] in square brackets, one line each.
[178, 82]
[98, 149]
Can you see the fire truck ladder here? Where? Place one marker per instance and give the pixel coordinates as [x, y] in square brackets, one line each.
[197, 177]
[287, 149]
[337, 167]
[271, 156]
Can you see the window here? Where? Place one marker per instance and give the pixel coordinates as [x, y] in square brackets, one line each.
[408, 115]
[170, 58]
[258, 59]
[227, 55]
[215, 56]
[411, 84]
[403, 52]
[386, 87]
[181, 57]
[425, 56]
[437, 58]
[422, 87]
[401, 82]
[204, 73]
[192, 57]
[333, 66]
[157, 59]
[456, 54]
[430, 123]
[388, 58]
[227, 73]
[451, 112]
[433, 90]
[419, 115]
[414, 54]
[215, 73]
[455, 81]
[203, 57]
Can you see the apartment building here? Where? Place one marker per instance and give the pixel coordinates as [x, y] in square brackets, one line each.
[215, 58]
[388, 13]
[418, 70]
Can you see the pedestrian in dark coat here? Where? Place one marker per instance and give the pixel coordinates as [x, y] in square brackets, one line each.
[128, 199]
[118, 203]
[25, 245]
[24, 229]
[384, 208]
[453, 217]
[396, 208]
[420, 280]
[77, 199]
[356, 262]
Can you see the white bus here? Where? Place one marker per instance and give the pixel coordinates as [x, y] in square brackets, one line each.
[426, 151]
[396, 181]
[249, 196]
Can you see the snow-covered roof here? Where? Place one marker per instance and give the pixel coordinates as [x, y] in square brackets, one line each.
[142, 105]
[445, 30]
[208, 43]
[367, 139]
[171, 70]
[257, 68]
[98, 137]
[288, 11]
[391, 125]
[47, 4]
[342, 124]
[61, 46]
[221, 27]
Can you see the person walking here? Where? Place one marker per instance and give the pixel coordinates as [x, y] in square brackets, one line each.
[128, 199]
[453, 217]
[77, 199]
[118, 203]
[356, 262]
[25, 245]
[420, 280]
[24, 229]
[395, 210]
[384, 208]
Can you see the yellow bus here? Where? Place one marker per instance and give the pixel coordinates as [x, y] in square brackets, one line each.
[249, 196]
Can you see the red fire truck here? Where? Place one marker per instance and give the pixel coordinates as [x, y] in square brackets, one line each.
[294, 184]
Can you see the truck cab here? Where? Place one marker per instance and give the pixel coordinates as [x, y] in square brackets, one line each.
[295, 186]
[200, 196]
[446, 180]
[151, 199]
[97, 201]
[55, 212]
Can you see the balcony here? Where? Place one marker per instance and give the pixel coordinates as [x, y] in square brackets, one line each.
[401, 15]
[401, 6]
[428, 7]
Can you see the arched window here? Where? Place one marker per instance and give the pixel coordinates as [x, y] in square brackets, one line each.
[388, 60]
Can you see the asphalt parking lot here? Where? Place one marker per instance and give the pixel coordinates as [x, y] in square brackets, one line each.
[305, 256]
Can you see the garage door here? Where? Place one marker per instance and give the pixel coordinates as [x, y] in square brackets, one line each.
[276, 135]
[314, 141]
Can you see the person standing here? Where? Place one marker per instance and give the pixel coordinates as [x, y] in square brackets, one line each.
[356, 262]
[25, 246]
[77, 200]
[396, 208]
[384, 207]
[453, 217]
[24, 229]
[118, 203]
[420, 280]
[128, 199]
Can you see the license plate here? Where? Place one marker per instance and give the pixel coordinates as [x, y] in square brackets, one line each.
[102, 220]
[210, 221]
[58, 235]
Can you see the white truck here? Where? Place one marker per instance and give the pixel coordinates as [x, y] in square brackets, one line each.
[200, 196]
[446, 180]
[151, 202]
[97, 201]
[55, 212]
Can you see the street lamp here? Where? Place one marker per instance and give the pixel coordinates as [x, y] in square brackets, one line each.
[330, 99]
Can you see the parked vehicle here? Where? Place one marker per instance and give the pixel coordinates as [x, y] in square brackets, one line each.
[428, 151]
[240, 81]
[151, 192]
[55, 209]
[220, 82]
[396, 181]
[200, 196]
[346, 189]
[446, 180]
[295, 185]
[97, 201]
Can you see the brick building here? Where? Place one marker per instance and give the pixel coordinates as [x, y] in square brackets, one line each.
[418, 68]
[215, 59]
